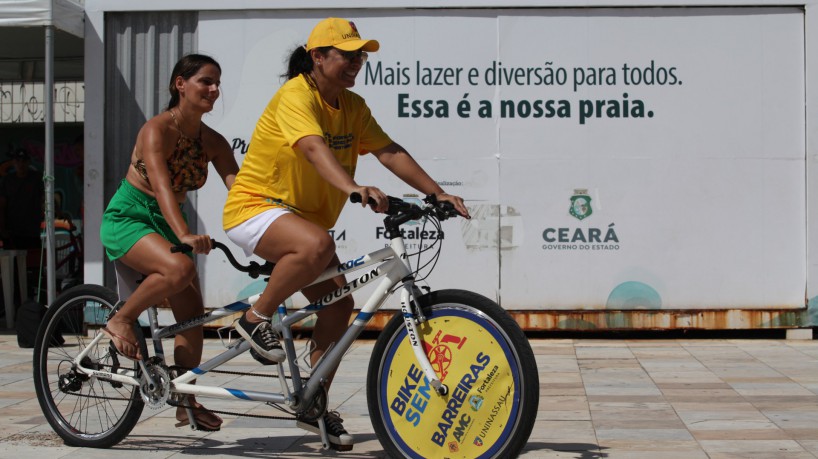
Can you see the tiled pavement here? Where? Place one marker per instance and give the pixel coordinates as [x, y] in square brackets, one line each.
[649, 399]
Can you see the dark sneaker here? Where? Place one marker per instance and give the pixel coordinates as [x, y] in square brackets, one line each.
[261, 339]
[339, 439]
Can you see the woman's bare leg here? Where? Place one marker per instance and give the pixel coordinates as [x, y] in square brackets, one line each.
[167, 274]
[301, 251]
[331, 322]
[187, 351]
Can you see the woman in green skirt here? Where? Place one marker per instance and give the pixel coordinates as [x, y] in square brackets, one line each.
[144, 218]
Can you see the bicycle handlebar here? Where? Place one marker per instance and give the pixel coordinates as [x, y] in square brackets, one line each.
[253, 268]
[401, 211]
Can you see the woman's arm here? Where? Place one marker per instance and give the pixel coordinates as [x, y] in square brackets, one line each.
[400, 162]
[223, 158]
[320, 156]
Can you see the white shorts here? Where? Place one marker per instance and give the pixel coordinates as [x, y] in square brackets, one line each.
[247, 234]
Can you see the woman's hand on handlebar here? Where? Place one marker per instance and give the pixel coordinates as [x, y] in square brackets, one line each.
[371, 192]
[199, 243]
[456, 201]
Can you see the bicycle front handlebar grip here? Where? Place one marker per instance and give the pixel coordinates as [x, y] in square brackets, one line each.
[355, 198]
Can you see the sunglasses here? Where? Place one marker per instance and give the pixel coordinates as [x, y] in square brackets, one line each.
[350, 56]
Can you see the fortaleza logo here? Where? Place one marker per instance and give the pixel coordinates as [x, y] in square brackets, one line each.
[417, 232]
[413, 233]
[581, 238]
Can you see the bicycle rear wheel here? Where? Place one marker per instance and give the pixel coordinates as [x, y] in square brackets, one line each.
[84, 410]
[483, 357]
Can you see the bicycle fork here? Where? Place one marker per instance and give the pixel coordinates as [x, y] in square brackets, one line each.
[411, 314]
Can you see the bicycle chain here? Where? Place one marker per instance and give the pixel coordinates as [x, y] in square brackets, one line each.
[99, 397]
[239, 373]
[177, 404]
[231, 413]
[292, 417]
[225, 372]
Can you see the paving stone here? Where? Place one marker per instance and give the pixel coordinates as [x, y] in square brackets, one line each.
[686, 399]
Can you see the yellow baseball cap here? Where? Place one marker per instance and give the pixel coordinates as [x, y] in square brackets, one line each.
[341, 34]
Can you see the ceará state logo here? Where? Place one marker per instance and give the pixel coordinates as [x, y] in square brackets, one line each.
[580, 205]
[584, 237]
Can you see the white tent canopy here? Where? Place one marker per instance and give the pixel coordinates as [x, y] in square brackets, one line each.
[68, 16]
[63, 14]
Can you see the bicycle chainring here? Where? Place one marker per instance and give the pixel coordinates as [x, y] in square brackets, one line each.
[155, 396]
[316, 408]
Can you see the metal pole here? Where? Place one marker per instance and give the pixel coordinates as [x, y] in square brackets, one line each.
[48, 166]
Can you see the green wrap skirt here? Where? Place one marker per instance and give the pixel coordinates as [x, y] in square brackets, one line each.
[130, 216]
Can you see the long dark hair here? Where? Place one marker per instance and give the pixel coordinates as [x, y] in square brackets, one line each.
[300, 62]
[187, 66]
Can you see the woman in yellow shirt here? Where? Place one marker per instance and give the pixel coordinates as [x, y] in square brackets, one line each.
[296, 177]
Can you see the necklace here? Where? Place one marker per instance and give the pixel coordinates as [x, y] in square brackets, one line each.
[177, 120]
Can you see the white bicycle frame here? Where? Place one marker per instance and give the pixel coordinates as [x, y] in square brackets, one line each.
[392, 269]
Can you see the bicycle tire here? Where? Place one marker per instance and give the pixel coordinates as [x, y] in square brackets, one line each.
[483, 357]
[84, 411]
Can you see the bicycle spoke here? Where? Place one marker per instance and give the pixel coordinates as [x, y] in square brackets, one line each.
[84, 410]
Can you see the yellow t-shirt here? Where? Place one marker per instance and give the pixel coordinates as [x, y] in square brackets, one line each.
[274, 174]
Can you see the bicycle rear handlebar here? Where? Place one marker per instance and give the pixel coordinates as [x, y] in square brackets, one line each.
[398, 213]
[253, 269]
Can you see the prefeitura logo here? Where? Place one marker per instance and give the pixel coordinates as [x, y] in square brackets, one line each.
[580, 205]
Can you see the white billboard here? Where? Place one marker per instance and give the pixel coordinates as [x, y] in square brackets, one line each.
[612, 158]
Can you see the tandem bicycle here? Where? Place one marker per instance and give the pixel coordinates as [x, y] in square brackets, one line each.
[451, 374]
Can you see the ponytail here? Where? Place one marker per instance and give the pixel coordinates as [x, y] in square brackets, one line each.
[300, 62]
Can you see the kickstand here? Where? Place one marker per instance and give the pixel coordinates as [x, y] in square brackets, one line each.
[322, 427]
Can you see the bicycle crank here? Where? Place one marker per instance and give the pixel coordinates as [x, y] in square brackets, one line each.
[316, 408]
[155, 386]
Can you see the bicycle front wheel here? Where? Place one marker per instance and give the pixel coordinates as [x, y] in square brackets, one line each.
[483, 357]
[84, 410]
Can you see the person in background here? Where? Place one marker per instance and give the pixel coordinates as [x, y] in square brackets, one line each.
[296, 177]
[21, 203]
[144, 218]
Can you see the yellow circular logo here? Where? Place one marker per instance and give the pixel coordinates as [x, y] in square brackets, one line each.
[482, 399]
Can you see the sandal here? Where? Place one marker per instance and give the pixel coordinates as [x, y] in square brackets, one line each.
[200, 415]
[116, 337]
